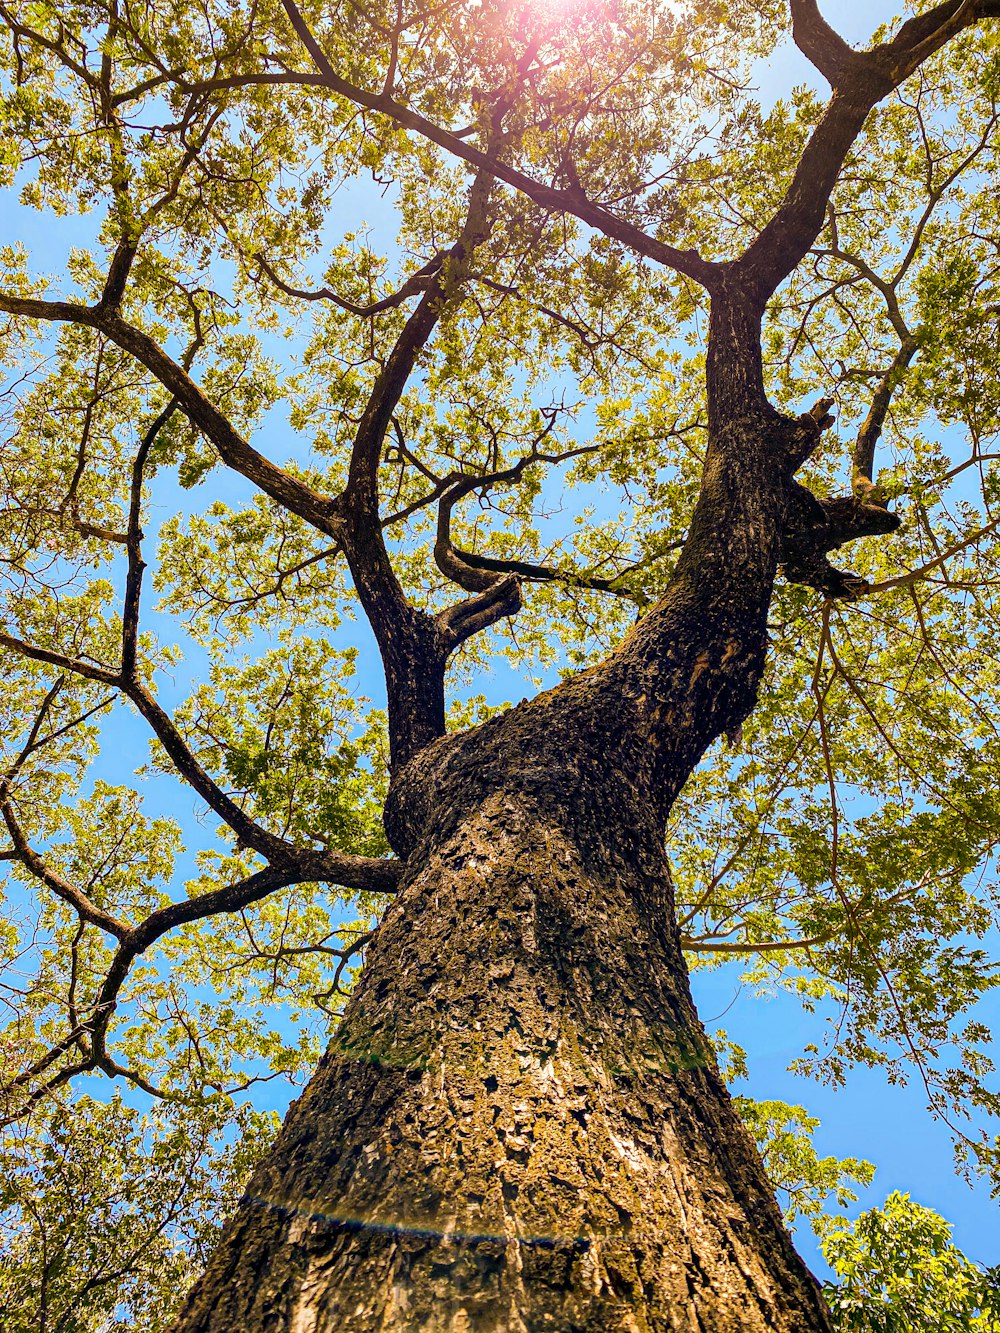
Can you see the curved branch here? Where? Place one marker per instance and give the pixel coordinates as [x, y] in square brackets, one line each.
[85, 908]
[819, 43]
[359, 872]
[459, 622]
[414, 284]
[449, 559]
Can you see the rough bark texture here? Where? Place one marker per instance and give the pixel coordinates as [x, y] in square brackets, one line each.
[520, 1126]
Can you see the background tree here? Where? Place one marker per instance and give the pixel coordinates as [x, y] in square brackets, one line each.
[900, 1271]
[613, 271]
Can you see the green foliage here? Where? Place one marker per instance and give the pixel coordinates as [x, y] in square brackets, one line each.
[805, 1182]
[107, 1214]
[899, 1273]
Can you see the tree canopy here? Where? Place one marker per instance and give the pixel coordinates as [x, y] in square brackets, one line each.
[390, 318]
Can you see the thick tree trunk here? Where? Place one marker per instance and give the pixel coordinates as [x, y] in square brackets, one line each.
[520, 1125]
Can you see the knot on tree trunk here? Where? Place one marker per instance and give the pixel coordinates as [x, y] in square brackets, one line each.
[813, 527]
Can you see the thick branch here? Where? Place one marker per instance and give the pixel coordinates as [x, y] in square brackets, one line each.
[361, 494]
[458, 623]
[818, 42]
[200, 410]
[414, 646]
[861, 80]
[922, 35]
[813, 527]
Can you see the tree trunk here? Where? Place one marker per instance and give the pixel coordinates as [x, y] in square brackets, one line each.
[520, 1124]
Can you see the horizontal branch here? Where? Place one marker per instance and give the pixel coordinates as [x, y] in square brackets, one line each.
[88, 670]
[706, 944]
[524, 569]
[356, 872]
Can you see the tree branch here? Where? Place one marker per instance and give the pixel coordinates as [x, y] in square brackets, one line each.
[234, 450]
[133, 546]
[363, 873]
[414, 646]
[459, 622]
[707, 944]
[818, 42]
[688, 262]
[414, 284]
[815, 526]
[861, 80]
[79, 668]
[524, 569]
[871, 428]
[62, 888]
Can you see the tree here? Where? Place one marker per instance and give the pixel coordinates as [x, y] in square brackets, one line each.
[108, 1226]
[900, 1271]
[614, 262]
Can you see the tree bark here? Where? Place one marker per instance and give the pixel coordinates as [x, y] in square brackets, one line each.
[520, 1124]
